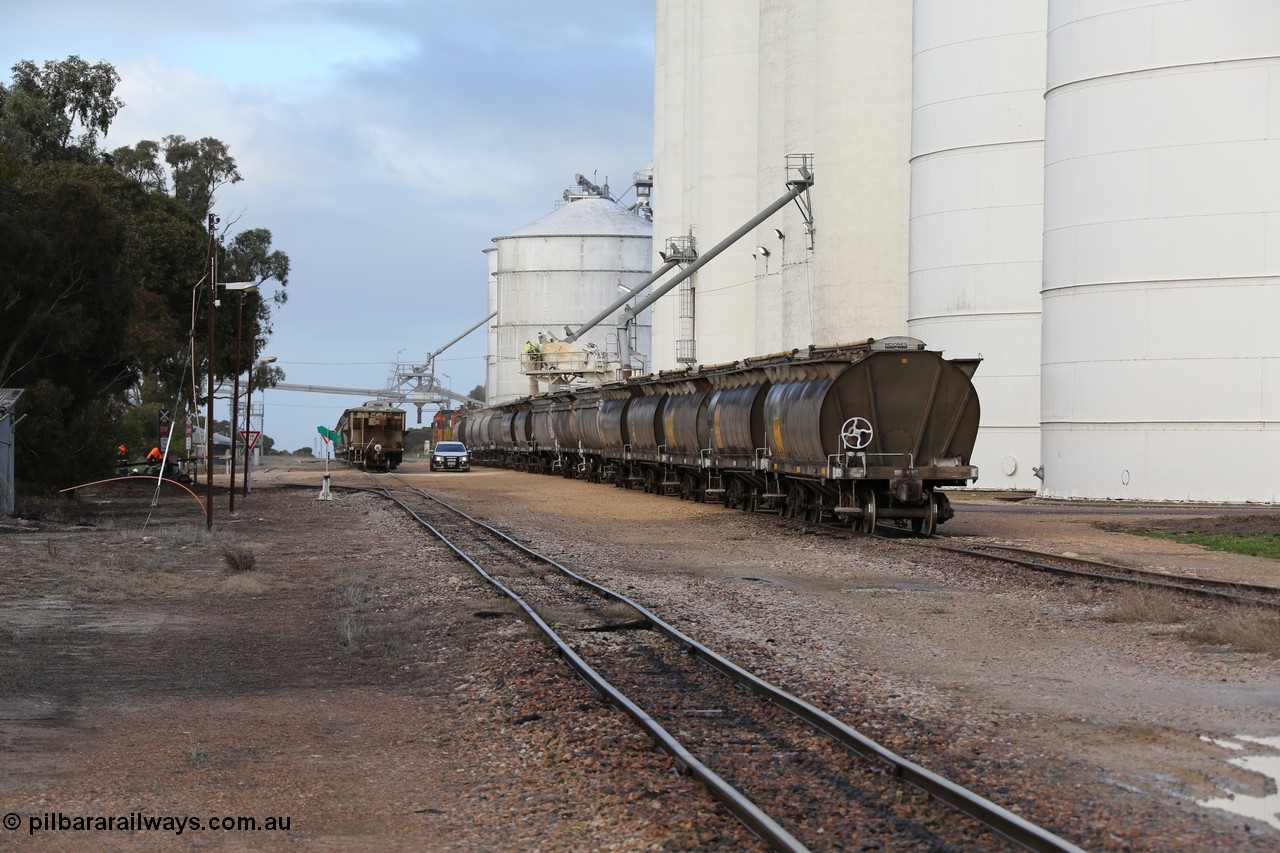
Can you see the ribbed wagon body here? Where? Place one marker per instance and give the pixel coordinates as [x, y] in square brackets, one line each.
[854, 433]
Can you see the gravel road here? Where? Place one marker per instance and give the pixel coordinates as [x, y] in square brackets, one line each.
[363, 684]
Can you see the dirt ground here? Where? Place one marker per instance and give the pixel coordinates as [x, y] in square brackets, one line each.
[359, 683]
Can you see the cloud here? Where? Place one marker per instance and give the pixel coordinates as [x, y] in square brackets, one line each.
[383, 143]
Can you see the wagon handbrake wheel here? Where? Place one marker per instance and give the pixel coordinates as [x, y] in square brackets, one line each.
[856, 433]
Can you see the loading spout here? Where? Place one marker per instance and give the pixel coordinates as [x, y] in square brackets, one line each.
[631, 294]
[798, 186]
[799, 180]
[461, 336]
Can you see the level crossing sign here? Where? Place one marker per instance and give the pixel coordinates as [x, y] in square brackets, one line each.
[250, 437]
[328, 434]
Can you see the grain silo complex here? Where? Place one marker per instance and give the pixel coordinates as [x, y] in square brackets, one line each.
[559, 271]
[738, 87]
[1162, 251]
[1086, 195]
[977, 156]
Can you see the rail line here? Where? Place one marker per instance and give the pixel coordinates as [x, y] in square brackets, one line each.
[729, 744]
[1253, 595]
[1233, 592]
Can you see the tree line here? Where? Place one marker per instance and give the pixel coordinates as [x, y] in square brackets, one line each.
[102, 274]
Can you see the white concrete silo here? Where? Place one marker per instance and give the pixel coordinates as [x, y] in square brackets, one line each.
[977, 166]
[724, 178]
[673, 88]
[861, 196]
[1161, 363]
[563, 270]
[741, 84]
[785, 307]
[491, 330]
[705, 172]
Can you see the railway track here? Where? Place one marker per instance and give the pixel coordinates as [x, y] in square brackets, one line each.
[778, 764]
[1232, 592]
[1252, 595]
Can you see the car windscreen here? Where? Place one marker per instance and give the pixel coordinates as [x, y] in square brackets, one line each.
[451, 447]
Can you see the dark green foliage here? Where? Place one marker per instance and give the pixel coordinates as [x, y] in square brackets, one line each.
[415, 440]
[42, 109]
[99, 270]
[199, 169]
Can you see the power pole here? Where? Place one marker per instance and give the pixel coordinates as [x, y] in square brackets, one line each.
[212, 271]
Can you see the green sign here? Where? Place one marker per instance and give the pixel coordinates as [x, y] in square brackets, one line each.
[328, 434]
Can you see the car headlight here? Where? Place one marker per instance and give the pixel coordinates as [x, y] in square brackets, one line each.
[462, 459]
[439, 458]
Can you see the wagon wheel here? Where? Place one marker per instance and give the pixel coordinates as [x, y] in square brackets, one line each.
[927, 525]
[688, 488]
[796, 504]
[695, 488]
[733, 497]
[867, 503]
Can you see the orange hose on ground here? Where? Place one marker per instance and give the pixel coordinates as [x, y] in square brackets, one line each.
[162, 479]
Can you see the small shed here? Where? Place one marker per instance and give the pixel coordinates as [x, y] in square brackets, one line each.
[8, 400]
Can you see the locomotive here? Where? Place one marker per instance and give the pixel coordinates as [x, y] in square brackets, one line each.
[854, 433]
[372, 436]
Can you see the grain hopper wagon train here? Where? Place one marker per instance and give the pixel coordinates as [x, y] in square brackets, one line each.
[852, 433]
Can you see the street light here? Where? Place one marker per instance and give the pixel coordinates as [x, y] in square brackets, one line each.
[241, 286]
[248, 415]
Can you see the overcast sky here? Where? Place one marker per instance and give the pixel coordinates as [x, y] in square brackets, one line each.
[383, 142]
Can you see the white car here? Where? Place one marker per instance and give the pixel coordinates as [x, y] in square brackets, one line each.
[450, 456]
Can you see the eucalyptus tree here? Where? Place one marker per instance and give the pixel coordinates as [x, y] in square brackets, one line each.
[57, 110]
[101, 257]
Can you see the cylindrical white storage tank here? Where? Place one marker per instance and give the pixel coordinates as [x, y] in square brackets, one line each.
[784, 276]
[724, 188]
[1161, 362]
[977, 179]
[491, 330]
[563, 270]
[861, 193]
[674, 89]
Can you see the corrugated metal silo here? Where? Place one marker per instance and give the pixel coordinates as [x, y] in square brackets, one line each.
[977, 178]
[1161, 362]
[563, 270]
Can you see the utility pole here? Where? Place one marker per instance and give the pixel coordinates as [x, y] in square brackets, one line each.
[212, 271]
[235, 415]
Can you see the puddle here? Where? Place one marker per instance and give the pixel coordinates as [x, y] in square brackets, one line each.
[1265, 763]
